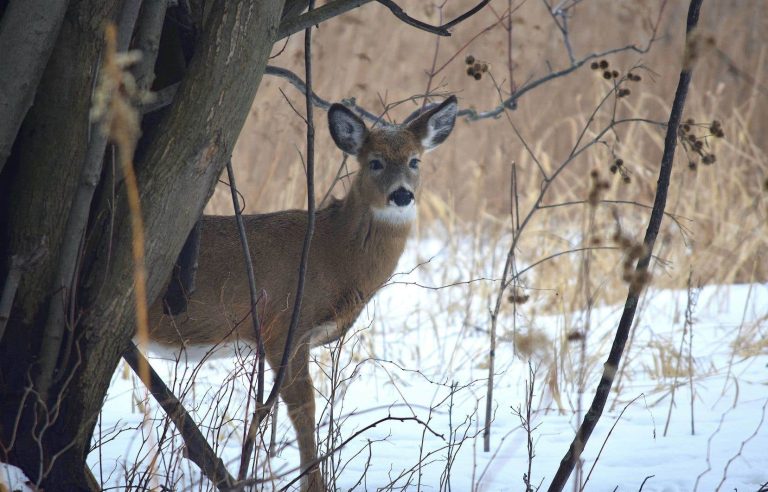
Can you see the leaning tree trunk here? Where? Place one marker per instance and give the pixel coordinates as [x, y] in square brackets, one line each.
[180, 160]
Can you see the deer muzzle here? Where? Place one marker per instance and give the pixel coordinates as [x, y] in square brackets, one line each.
[401, 197]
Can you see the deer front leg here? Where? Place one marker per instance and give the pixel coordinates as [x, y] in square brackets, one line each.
[298, 393]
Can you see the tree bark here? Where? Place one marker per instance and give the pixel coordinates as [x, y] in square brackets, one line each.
[176, 174]
[28, 31]
[43, 171]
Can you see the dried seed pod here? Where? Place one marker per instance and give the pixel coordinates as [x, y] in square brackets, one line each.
[575, 336]
[469, 60]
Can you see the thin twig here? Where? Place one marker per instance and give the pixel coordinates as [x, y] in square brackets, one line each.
[605, 441]
[249, 483]
[245, 458]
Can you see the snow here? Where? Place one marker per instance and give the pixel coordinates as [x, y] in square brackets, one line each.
[14, 479]
[421, 354]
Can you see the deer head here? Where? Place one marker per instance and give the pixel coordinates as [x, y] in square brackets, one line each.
[390, 155]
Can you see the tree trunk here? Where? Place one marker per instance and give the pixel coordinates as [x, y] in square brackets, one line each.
[179, 164]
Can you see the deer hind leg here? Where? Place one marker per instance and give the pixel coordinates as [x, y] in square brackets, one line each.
[298, 393]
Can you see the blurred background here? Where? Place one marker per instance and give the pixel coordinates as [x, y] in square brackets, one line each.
[371, 56]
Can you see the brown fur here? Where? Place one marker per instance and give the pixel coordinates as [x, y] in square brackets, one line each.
[352, 255]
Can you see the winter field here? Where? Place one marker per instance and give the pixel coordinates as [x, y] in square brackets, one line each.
[689, 413]
[401, 401]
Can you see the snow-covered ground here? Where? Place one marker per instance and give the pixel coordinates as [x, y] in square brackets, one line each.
[421, 354]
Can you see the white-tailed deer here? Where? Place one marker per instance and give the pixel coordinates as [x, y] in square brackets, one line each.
[355, 248]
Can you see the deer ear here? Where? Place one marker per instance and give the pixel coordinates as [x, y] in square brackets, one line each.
[347, 129]
[434, 125]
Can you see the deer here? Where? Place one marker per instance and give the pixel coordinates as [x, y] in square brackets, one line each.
[356, 245]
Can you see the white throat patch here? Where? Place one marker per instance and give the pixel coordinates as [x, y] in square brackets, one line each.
[392, 214]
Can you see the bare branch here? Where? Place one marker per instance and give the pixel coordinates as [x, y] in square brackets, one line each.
[254, 306]
[148, 31]
[247, 483]
[441, 30]
[622, 332]
[262, 410]
[198, 449]
[316, 16]
[337, 7]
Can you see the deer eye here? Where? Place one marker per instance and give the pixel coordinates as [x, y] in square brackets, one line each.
[376, 165]
[414, 163]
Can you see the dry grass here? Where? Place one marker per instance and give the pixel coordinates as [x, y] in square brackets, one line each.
[370, 55]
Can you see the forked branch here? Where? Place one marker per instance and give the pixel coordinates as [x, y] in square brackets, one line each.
[337, 7]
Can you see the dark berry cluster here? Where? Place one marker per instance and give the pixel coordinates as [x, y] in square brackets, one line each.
[696, 146]
[619, 167]
[475, 68]
[610, 74]
[604, 66]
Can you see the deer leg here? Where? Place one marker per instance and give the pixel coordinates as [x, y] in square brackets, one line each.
[298, 393]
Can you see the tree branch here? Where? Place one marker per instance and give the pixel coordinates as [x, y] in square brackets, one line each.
[335, 8]
[245, 456]
[77, 220]
[441, 30]
[614, 358]
[148, 31]
[262, 410]
[28, 32]
[316, 16]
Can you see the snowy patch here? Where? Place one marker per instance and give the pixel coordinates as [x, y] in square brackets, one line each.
[420, 352]
[12, 478]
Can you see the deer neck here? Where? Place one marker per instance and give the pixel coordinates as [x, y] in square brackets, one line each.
[372, 246]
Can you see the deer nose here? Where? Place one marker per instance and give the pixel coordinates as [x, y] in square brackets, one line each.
[401, 197]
